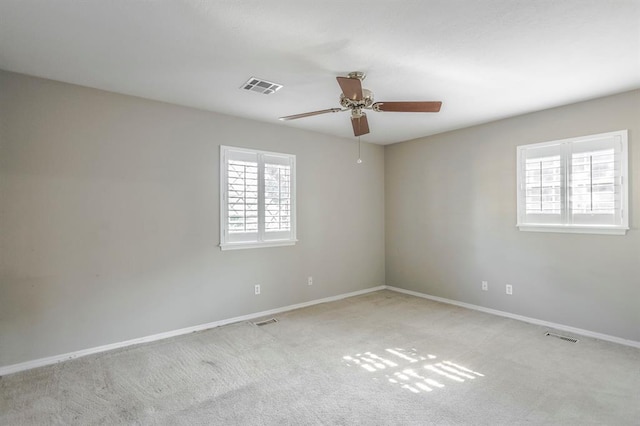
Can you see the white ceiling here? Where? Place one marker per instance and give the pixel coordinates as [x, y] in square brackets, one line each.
[484, 60]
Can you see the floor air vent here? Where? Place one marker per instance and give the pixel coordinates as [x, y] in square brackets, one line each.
[265, 322]
[558, 336]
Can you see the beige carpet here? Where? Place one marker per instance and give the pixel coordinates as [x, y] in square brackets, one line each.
[380, 359]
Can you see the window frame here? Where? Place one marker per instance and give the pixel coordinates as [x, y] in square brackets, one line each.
[567, 149]
[280, 238]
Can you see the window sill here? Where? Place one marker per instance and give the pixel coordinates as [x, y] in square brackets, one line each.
[574, 229]
[253, 244]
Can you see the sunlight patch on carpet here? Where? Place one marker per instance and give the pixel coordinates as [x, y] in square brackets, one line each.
[410, 370]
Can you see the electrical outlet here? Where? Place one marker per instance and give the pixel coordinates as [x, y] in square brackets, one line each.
[310, 280]
[485, 286]
[509, 289]
[257, 288]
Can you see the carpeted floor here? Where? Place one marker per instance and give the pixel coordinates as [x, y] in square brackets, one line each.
[380, 359]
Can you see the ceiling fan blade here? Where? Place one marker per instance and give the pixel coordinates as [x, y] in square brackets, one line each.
[351, 87]
[309, 114]
[407, 106]
[360, 125]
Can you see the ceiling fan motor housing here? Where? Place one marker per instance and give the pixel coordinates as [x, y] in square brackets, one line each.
[356, 105]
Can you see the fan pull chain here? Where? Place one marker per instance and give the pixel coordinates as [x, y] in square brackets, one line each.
[359, 159]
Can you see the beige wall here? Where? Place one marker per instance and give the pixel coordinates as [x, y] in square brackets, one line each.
[109, 219]
[451, 214]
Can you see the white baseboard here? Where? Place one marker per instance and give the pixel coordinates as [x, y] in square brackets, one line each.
[41, 362]
[562, 327]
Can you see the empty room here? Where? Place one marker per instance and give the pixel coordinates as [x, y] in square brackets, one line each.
[319, 213]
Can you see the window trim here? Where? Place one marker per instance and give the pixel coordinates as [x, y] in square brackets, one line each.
[261, 242]
[575, 229]
[565, 226]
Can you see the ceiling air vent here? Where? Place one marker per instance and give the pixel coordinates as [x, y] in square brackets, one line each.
[261, 86]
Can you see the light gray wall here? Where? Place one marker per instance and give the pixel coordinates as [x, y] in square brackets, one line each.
[451, 214]
[109, 219]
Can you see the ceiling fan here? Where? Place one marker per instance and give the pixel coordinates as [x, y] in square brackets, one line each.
[356, 99]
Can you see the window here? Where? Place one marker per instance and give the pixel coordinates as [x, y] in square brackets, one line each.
[574, 185]
[257, 198]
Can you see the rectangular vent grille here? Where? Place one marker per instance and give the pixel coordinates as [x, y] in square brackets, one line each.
[259, 85]
[265, 322]
[558, 336]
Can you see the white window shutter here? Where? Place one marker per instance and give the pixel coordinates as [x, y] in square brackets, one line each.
[277, 197]
[574, 185]
[595, 174]
[257, 198]
[541, 184]
[242, 196]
